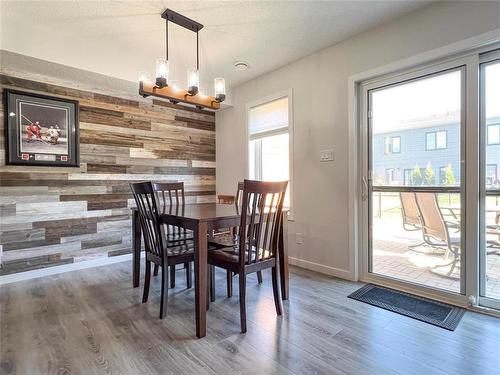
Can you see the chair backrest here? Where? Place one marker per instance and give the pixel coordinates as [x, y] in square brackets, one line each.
[409, 209]
[170, 194]
[261, 220]
[147, 205]
[432, 221]
[239, 194]
[172, 201]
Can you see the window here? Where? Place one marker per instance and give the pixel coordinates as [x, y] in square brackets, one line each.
[442, 175]
[435, 140]
[389, 175]
[491, 174]
[494, 134]
[392, 145]
[407, 177]
[269, 142]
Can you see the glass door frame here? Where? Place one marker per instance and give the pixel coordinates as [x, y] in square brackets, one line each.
[469, 172]
[485, 59]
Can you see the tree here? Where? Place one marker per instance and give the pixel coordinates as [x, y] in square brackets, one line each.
[429, 175]
[416, 176]
[449, 176]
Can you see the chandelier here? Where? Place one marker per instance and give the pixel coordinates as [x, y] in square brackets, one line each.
[163, 87]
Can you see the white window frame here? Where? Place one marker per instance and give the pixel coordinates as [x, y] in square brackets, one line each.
[276, 96]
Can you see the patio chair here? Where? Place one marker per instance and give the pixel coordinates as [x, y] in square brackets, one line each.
[435, 230]
[409, 211]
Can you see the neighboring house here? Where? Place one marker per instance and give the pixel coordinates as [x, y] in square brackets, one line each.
[429, 155]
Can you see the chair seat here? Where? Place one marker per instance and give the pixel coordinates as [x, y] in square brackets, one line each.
[180, 237]
[180, 249]
[220, 240]
[232, 254]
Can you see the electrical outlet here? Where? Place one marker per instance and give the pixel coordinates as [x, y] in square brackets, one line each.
[298, 238]
[326, 155]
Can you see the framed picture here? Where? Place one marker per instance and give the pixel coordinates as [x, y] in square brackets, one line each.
[41, 130]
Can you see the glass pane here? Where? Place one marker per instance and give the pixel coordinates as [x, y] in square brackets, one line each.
[416, 235]
[425, 115]
[491, 281]
[275, 160]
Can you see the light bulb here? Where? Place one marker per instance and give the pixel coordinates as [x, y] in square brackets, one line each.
[162, 69]
[193, 78]
[220, 89]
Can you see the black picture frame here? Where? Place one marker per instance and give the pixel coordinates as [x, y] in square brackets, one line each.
[41, 130]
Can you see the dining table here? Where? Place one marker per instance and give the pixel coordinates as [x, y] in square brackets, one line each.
[201, 219]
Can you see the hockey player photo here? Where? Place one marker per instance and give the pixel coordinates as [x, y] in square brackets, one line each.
[41, 130]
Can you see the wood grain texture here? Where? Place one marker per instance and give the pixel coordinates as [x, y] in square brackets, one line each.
[50, 216]
[93, 322]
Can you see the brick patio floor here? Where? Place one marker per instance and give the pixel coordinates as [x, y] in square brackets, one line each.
[392, 257]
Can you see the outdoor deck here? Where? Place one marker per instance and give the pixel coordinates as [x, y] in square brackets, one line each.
[393, 255]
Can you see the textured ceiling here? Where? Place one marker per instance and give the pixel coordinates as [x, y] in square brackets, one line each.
[121, 38]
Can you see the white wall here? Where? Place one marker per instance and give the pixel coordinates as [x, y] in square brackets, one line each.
[320, 89]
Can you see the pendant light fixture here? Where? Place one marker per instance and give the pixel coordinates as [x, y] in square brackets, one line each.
[162, 86]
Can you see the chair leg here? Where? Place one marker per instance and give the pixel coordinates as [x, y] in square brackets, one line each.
[229, 283]
[155, 272]
[243, 311]
[147, 279]
[259, 277]
[212, 283]
[189, 278]
[164, 292]
[276, 291]
[172, 276]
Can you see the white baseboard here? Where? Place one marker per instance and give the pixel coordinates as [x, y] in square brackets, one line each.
[21, 276]
[321, 268]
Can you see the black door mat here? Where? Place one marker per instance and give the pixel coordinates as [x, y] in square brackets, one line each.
[420, 308]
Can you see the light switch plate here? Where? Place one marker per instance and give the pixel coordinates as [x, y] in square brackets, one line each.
[298, 238]
[326, 155]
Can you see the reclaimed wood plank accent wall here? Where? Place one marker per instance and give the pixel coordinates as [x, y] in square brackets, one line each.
[52, 216]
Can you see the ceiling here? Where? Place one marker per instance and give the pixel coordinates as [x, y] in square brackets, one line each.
[121, 38]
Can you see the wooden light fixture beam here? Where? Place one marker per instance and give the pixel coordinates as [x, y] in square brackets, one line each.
[176, 95]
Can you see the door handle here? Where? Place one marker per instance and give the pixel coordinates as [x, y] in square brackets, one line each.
[364, 192]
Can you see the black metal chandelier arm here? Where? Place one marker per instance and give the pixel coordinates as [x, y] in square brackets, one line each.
[166, 39]
[197, 52]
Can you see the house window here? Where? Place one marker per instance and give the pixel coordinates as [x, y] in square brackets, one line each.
[389, 176]
[494, 134]
[407, 177]
[392, 145]
[442, 175]
[491, 174]
[269, 142]
[436, 140]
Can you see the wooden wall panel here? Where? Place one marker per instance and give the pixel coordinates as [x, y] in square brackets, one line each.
[51, 216]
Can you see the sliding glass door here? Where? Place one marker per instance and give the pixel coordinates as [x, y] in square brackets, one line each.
[490, 180]
[415, 200]
[430, 161]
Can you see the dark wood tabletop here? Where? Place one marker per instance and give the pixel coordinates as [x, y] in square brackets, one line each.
[202, 218]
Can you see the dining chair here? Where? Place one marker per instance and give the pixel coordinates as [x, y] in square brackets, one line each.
[158, 251]
[172, 200]
[256, 247]
[435, 229]
[227, 240]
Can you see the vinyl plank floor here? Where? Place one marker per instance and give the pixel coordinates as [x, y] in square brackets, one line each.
[93, 322]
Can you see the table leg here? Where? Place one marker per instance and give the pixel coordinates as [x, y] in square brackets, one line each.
[200, 277]
[136, 248]
[283, 257]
